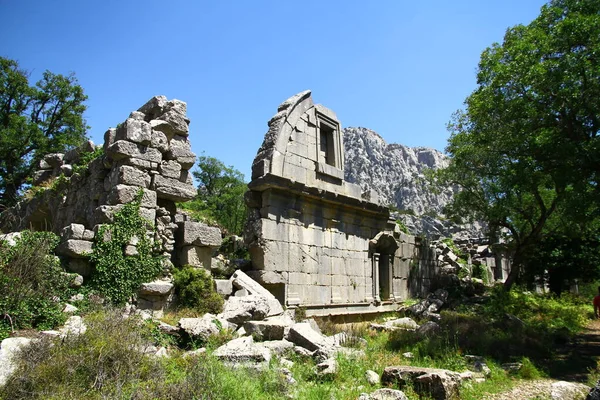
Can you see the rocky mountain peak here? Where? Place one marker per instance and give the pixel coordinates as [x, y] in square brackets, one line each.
[396, 172]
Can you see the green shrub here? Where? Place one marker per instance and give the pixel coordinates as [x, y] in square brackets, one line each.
[116, 275]
[195, 288]
[32, 283]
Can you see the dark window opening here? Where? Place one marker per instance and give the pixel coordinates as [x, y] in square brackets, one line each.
[327, 144]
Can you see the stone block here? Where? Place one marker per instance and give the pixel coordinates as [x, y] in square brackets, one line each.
[243, 281]
[159, 140]
[239, 309]
[243, 350]
[272, 329]
[172, 189]
[128, 175]
[196, 256]
[72, 231]
[42, 176]
[122, 149]
[134, 130]
[75, 248]
[123, 194]
[80, 266]
[302, 334]
[170, 169]
[156, 288]
[180, 150]
[224, 287]
[199, 234]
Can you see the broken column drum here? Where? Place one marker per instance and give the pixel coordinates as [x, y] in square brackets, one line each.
[316, 241]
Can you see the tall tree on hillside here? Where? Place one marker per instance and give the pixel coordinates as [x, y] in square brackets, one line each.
[35, 120]
[525, 150]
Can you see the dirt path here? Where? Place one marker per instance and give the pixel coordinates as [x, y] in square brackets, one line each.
[573, 364]
[576, 358]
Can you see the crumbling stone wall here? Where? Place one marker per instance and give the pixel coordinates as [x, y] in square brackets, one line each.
[149, 151]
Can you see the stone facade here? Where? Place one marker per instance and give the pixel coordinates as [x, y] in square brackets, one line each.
[316, 241]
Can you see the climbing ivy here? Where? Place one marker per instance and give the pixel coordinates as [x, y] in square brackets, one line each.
[116, 275]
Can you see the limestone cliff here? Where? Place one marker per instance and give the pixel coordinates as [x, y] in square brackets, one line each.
[396, 173]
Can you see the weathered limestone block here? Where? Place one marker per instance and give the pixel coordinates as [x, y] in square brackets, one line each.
[305, 336]
[199, 234]
[123, 194]
[72, 231]
[42, 176]
[172, 189]
[202, 328]
[170, 169]
[134, 130]
[159, 140]
[271, 329]
[196, 256]
[122, 149]
[224, 287]
[243, 281]
[75, 248]
[384, 394]
[9, 348]
[243, 350]
[440, 384]
[238, 310]
[180, 150]
[128, 175]
[54, 160]
[156, 288]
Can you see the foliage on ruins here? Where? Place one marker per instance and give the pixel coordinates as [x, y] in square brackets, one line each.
[116, 274]
[220, 197]
[525, 150]
[195, 289]
[35, 120]
[31, 282]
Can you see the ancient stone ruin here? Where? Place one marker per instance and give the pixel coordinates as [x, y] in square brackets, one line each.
[149, 151]
[316, 240]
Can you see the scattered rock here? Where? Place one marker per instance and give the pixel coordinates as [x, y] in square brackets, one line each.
[372, 377]
[74, 326]
[243, 350]
[384, 394]
[328, 367]
[8, 349]
[241, 309]
[562, 390]
[440, 384]
[202, 328]
[70, 309]
[428, 329]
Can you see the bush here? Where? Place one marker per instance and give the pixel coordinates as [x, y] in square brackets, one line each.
[195, 289]
[116, 275]
[32, 283]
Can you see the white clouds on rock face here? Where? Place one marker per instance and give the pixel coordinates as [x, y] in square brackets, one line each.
[394, 171]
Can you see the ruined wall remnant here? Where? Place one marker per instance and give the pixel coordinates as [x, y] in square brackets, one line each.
[149, 151]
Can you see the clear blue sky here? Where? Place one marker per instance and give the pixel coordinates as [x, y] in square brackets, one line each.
[400, 68]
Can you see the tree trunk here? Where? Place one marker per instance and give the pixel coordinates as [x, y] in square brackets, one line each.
[515, 270]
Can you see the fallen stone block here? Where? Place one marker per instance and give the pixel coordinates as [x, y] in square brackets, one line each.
[272, 329]
[243, 350]
[305, 336]
[243, 281]
[241, 309]
[223, 286]
[74, 326]
[202, 328]
[384, 394]
[440, 384]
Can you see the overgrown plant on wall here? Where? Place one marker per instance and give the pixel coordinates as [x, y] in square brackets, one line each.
[117, 275]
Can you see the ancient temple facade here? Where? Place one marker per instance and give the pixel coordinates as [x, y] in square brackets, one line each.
[317, 241]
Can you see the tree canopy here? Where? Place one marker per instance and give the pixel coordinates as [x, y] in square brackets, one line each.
[220, 197]
[35, 120]
[525, 150]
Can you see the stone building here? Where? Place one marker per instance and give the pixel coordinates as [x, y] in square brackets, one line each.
[316, 241]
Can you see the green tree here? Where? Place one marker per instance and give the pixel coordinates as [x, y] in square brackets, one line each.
[35, 120]
[220, 195]
[525, 150]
